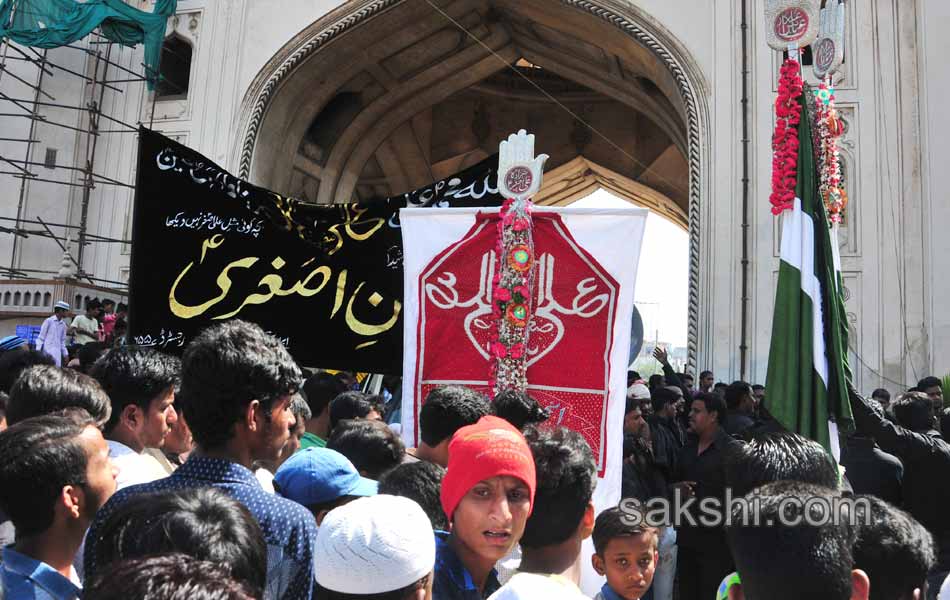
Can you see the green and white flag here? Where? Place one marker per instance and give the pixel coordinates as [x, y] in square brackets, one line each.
[808, 372]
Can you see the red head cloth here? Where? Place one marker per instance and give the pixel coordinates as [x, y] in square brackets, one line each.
[489, 448]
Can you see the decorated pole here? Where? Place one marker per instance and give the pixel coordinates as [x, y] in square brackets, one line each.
[808, 371]
[519, 179]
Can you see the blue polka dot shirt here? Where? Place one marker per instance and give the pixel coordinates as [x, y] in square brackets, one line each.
[289, 529]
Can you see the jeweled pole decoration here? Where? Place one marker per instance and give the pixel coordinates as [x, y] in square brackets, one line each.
[519, 178]
[829, 128]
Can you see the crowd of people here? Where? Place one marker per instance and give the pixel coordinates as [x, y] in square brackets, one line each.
[232, 473]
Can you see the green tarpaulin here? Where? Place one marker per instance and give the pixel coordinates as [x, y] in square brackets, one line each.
[55, 23]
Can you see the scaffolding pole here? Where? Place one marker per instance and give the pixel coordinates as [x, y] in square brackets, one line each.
[91, 145]
[99, 74]
[28, 157]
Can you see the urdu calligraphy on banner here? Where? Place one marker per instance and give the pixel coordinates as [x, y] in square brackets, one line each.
[327, 280]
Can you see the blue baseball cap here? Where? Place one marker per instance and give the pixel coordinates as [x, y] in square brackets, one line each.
[318, 475]
[11, 342]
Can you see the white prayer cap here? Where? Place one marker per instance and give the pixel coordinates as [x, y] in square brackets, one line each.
[62, 305]
[638, 391]
[373, 545]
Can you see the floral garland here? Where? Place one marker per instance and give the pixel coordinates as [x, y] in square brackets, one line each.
[511, 296]
[829, 129]
[785, 139]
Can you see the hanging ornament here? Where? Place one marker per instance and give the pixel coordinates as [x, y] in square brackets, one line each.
[791, 23]
[519, 258]
[828, 50]
[829, 128]
[519, 178]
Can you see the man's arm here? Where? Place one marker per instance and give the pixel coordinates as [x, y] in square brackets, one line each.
[672, 378]
[891, 437]
[62, 342]
[41, 338]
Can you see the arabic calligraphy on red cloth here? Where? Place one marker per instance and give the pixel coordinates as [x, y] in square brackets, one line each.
[570, 335]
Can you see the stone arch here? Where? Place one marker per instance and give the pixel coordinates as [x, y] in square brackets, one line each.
[276, 79]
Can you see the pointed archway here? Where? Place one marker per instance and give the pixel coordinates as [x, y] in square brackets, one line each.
[381, 97]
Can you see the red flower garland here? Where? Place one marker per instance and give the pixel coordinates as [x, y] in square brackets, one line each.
[785, 140]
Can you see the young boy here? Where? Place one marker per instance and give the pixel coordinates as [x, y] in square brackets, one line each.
[487, 494]
[625, 554]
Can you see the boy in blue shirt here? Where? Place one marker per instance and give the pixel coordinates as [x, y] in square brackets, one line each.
[626, 554]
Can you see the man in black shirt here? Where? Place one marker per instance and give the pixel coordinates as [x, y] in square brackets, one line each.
[667, 435]
[926, 458]
[704, 558]
[740, 402]
[872, 471]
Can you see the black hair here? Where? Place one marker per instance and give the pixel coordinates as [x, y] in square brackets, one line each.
[685, 375]
[371, 446]
[120, 323]
[662, 396]
[656, 380]
[881, 393]
[121, 307]
[329, 505]
[447, 409]
[224, 369]
[566, 475]
[631, 404]
[720, 385]
[612, 523]
[320, 389]
[300, 408]
[757, 386]
[777, 456]
[135, 376]
[633, 375]
[45, 389]
[735, 392]
[518, 408]
[350, 405]
[166, 577]
[88, 354]
[41, 456]
[93, 304]
[772, 552]
[204, 523]
[705, 374]
[420, 481]
[928, 382]
[108, 302]
[914, 410]
[14, 363]
[893, 549]
[405, 593]
[713, 403]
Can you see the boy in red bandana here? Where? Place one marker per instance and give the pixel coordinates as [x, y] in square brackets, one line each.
[487, 494]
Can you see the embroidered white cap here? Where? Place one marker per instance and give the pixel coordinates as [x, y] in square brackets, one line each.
[638, 391]
[62, 305]
[373, 545]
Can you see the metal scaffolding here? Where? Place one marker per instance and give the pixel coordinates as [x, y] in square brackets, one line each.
[103, 76]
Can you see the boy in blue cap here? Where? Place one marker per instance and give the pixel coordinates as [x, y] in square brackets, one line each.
[321, 480]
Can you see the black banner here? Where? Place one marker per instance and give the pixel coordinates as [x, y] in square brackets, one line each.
[326, 280]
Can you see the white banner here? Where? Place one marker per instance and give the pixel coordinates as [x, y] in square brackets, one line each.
[579, 339]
